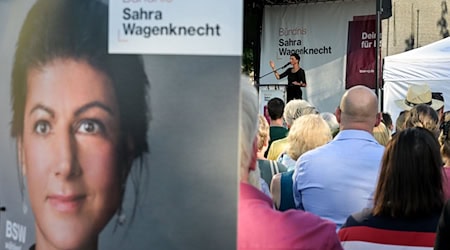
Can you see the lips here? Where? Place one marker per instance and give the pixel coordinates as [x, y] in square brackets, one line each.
[66, 203]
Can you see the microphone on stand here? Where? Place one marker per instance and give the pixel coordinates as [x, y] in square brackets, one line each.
[287, 64]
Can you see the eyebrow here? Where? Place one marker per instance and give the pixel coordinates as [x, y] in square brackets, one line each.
[82, 109]
[44, 108]
[95, 104]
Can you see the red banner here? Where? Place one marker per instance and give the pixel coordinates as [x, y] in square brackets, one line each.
[361, 47]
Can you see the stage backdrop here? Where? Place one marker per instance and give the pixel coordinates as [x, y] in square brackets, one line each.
[318, 32]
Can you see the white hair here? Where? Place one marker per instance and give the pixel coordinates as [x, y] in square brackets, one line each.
[296, 108]
[248, 125]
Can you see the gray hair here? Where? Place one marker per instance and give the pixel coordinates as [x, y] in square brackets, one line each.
[331, 120]
[296, 108]
[248, 125]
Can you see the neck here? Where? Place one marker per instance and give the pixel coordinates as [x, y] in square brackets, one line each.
[277, 122]
[446, 162]
[260, 155]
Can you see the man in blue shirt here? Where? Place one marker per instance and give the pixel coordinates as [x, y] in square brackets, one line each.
[339, 178]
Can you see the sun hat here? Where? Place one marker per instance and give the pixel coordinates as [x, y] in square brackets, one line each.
[419, 94]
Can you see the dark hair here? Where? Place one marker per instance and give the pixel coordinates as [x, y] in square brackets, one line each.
[296, 56]
[437, 96]
[78, 30]
[387, 120]
[400, 122]
[275, 108]
[410, 182]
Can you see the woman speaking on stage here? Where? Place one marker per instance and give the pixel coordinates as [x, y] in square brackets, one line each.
[296, 77]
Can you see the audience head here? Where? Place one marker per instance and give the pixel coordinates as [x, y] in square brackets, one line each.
[444, 138]
[410, 181]
[381, 134]
[332, 122]
[248, 128]
[263, 134]
[275, 108]
[387, 120]
[307, 132]
[423, 116]
[400, 123]
[358, 109]
[419, 94]
[440, 97]
[296, 108]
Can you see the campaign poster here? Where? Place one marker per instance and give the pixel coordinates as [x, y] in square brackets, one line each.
[119, 124]
[361, 51]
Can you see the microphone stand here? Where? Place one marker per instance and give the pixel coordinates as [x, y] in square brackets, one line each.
[282, 67]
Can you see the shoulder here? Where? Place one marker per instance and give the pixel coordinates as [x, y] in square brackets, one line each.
[359, 218]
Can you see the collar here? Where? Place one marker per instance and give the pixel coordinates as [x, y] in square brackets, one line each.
[249, 192]
[354, 134]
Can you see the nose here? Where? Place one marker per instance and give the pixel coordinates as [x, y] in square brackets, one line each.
[66, 153]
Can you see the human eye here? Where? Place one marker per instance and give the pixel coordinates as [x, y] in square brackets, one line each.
[42, 127]
[90, 127]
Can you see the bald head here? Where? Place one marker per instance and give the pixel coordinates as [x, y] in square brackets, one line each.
[358, 109]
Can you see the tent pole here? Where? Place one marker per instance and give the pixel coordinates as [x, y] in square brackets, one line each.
[377, 49]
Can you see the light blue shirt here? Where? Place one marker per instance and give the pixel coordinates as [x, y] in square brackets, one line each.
[339, 178]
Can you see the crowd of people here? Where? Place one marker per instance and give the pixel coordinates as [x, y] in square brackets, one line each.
[346, 180]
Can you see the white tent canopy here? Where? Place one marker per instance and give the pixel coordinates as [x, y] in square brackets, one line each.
[429, 64]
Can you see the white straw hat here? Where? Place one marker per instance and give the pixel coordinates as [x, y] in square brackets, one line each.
[419, 94]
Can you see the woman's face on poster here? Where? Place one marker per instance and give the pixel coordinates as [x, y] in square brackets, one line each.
[68, 152]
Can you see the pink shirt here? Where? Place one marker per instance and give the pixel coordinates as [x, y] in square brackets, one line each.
[262, 227]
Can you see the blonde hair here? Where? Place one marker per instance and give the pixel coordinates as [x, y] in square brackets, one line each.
[381, 134]
[263, 131]
[423, 116]
[307, 132]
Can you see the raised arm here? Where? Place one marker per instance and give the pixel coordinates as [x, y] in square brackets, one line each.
[272, 65]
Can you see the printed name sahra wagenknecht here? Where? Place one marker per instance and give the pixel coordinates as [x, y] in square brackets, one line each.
[131, 28]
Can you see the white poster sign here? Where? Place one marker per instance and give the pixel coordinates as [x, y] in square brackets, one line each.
[318, 33]
[196, 27]
[268, 92]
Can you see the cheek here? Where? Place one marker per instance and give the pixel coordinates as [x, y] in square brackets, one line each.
[99, 163]
[37, 157]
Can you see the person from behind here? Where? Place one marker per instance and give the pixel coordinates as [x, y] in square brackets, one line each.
[400, 122]
[259, 225]
[423, 116]
[439, 96]
[419, 94]
[268, 168]
[292, 111]
[408, 198]
[339, 178]
[382, 134]
[308, 132]
[275, 108]
[332, 122]
[387, 120]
